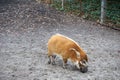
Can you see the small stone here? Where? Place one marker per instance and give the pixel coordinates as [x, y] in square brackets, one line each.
[36, 79]
[13, 75]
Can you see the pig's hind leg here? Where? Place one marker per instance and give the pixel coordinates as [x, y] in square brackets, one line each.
[49, 61]
[51, 58]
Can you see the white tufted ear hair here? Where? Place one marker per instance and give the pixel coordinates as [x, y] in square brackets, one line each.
[77, 53]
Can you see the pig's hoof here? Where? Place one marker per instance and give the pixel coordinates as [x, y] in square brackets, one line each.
[53, 63]
[49, 62]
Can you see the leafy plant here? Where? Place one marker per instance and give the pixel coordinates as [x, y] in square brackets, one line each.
[92, 8]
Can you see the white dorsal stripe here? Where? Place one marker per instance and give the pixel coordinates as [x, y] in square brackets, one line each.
[68, 38]
[78, 54]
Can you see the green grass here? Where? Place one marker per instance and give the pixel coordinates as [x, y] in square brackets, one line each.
[91, 8]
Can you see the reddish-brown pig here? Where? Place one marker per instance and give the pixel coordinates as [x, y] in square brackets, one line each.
[68, 49]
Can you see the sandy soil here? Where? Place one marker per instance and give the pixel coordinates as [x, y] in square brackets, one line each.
[25, 28]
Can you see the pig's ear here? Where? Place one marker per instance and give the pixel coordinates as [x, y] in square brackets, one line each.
[77, 53]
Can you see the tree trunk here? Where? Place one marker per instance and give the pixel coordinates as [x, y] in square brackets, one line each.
[103, 11]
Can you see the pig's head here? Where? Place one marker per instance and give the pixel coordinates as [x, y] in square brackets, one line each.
[83, 66]
[81, 60]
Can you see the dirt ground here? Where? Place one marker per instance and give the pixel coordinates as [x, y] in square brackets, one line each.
[25, 28]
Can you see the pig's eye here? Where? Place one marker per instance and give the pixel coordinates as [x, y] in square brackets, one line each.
[83, 61]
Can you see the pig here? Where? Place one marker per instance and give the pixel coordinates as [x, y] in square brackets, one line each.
[67, 48]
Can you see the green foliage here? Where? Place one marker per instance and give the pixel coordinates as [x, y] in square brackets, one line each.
[91, 8]
[113, 12]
